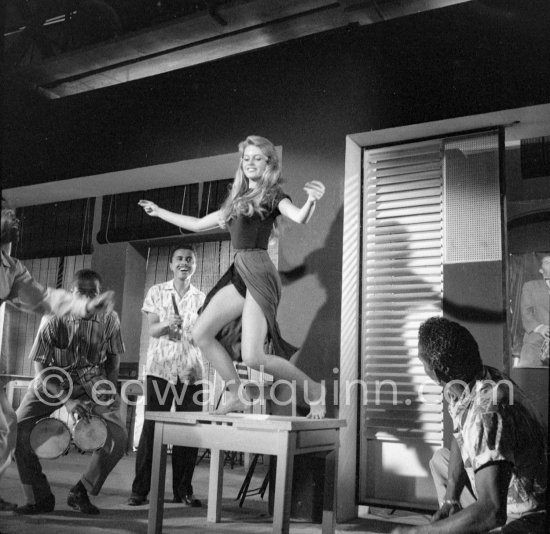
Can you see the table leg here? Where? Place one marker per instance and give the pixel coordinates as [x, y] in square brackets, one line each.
[283, 486]
[215, 485]
[272, 468]
[330, 493]
[158, 475]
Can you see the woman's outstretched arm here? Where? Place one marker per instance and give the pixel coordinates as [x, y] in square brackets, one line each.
[315, 190]
[193, 224]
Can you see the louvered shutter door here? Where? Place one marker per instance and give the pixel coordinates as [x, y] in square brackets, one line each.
[402, 414]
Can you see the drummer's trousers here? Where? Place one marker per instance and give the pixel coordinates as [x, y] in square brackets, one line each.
[34, 481]
[8, 430]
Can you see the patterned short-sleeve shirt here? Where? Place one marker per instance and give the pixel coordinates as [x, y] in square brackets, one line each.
[494, 422]
[168, 359]
[76, 343]
[79, 345]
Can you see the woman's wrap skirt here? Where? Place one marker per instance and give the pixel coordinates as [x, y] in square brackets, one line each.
[253, 271]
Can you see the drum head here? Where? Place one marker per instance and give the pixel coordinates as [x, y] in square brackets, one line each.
[90, 435]
[50, 438]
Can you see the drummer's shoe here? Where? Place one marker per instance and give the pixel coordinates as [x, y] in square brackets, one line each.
[137, 500]
[78, 499]
[44, 506]
[6, 506]
[189, 500]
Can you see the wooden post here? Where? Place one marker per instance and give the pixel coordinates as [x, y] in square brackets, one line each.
[158, 476]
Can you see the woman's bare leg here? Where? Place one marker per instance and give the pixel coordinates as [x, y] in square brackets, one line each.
[254, 331]
[225, 306]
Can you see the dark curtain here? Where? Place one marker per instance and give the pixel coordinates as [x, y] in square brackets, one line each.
[55, 230]
[123, 220]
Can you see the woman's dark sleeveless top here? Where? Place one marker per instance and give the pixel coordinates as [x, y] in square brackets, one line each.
[253, 232]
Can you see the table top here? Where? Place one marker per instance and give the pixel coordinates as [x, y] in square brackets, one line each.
[245, 420]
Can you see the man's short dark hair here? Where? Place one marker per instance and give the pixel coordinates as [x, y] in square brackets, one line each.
[85, 275]
[449, 349]
[182, 247]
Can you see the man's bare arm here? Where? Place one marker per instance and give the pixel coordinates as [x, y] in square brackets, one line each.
[487, 513]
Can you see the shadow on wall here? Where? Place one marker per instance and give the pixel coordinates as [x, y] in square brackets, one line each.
[400, 419]
[397, 429]
[319, 354]
[463, 312]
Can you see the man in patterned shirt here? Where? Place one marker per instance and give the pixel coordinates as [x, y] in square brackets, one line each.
[19, 288]
[172, 370]
[535, 317]
[494, 478]
[87, 349]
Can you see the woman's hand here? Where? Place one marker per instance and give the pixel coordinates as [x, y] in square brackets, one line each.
[149, 207]
[314, 189]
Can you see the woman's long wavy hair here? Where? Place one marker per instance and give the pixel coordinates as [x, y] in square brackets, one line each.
[245, 201]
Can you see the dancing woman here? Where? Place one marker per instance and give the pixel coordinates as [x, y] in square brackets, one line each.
[250, 290]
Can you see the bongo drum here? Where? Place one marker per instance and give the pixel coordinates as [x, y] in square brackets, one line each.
[90, 435]
[50, 438]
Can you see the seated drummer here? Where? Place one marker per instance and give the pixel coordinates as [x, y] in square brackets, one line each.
[494, 477]
[88, 350]
[22, 291]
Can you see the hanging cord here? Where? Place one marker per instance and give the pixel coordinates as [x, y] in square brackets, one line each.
[147, 260]
[60, 272]
[208, 198]
[182, 206]
[85, 226]
[202, 267]
[109, 220]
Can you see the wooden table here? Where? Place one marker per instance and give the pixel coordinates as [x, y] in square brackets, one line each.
[283, 437]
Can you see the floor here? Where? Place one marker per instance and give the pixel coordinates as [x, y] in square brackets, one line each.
[118, 518]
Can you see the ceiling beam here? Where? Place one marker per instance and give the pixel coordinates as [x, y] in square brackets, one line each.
[199, 38]
[113, 62]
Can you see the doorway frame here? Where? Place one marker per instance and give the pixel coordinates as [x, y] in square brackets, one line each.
[518, 123]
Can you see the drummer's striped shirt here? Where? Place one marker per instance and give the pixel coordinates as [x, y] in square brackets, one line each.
[77, 344]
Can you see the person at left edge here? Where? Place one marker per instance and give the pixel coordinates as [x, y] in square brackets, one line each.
[21, 290]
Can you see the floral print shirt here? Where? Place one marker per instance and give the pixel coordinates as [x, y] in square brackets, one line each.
[168, 359]
[495, 422]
